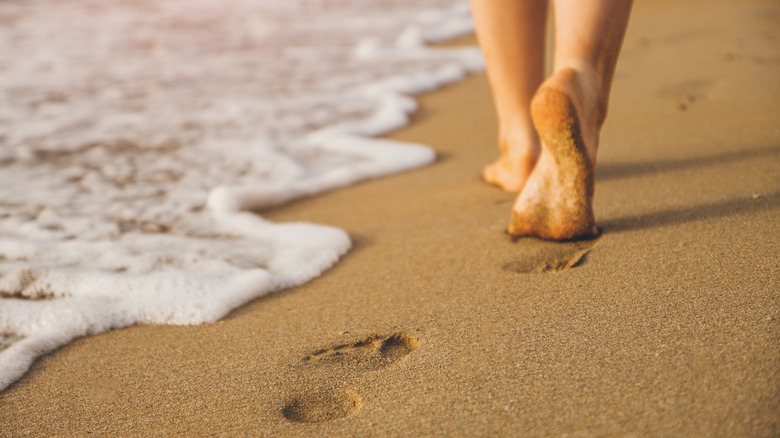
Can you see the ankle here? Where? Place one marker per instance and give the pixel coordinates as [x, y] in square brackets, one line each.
[519, 144]
[587, 85]
[584, 86]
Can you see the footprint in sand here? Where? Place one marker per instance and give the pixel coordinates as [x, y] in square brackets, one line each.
[322, 406]
[686, 93]
[544, 257]
[371, 353]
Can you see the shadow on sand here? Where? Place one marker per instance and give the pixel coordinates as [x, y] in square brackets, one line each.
[626, 170]
[694, 213]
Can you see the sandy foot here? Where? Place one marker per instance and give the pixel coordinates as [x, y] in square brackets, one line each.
[557, 201]
[511, 171]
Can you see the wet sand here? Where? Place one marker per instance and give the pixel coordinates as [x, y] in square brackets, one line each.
[437, 323]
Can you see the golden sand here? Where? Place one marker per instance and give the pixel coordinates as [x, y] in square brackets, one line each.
[667, 325]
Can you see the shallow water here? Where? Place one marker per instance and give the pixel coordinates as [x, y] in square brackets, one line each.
[135, 136]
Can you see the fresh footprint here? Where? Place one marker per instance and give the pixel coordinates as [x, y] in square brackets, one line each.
[372, 352]
[322, 406]
[544, 257]
[335, 367]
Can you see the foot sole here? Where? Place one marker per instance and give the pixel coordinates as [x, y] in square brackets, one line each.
[563, 208]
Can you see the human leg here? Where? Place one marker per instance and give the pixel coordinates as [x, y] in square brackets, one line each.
[511, 34]
[568, 111]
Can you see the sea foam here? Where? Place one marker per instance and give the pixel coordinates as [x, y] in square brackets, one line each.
[137, 137]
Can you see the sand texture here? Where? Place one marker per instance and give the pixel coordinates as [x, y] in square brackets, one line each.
[437, 323]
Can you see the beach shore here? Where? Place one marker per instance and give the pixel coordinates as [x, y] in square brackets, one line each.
[437, 323]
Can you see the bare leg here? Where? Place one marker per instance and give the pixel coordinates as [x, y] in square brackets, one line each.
[511, 33]
[568, 111]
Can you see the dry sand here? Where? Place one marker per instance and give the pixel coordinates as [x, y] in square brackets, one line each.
[669, 324]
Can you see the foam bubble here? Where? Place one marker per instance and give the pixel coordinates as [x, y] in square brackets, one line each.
[136, 136]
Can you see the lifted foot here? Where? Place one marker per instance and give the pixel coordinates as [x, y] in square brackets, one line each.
[557, 201]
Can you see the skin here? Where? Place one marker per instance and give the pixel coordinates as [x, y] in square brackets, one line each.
[549, 129]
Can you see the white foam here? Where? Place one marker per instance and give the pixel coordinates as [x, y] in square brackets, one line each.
[136, 135]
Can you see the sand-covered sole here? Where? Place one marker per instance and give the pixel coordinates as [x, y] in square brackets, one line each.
[567, 212]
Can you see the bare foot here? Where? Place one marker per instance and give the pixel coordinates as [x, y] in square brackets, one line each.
[557, 201]
[512, 169]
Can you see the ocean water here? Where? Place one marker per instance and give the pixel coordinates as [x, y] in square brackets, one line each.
[138, 138]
